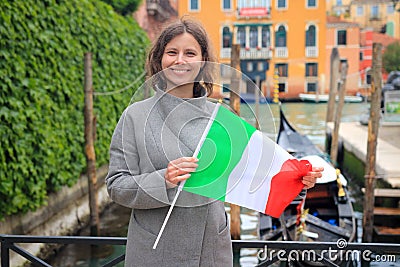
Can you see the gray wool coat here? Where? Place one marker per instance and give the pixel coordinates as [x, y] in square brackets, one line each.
[148, 135]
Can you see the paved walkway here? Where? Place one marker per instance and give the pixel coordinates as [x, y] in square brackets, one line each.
[390, 134]
[355, 139]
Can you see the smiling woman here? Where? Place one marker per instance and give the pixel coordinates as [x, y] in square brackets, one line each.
[151, 153]
[152, 150]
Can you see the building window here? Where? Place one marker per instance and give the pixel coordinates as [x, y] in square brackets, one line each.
[282, 4]
[251, 87]
[226, 4]
[249, 66]
[311, 3]
[311, 87]
[310, 36]
[281, 69]
[311, 69]
[341, 37]
[226, 88]
[253, 37]
[339, 2]
[374, 11]
[241, 36]
[390, 28]
[225, 70]
[226, 37]
[360, 11]
[282, 87]
[368, 79]
[280, 37]
[343, 61]
[252, 3]
[194, 5]
[265, 38]
[390, 9]
[361, 56]
[260, 66]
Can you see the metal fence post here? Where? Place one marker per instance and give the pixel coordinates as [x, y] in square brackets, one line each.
[5, 253]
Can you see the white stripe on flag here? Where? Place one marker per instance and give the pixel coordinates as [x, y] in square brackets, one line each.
[249, 183]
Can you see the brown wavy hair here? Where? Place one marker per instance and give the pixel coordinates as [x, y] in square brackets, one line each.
[195, 28]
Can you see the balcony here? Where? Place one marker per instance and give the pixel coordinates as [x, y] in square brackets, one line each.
[375, 17]
[281, 52]
[248, 53]
[311, 51]
[254, 53]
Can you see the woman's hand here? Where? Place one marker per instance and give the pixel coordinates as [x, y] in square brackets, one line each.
[311, 177]
[179, 170]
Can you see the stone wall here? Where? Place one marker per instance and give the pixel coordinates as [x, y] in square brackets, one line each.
[66, 212]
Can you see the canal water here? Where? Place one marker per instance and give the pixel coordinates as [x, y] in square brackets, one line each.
[307, 118]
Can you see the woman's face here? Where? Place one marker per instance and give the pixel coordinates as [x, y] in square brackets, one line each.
[181, 61]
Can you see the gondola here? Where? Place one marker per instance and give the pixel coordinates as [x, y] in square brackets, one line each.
[325, 214]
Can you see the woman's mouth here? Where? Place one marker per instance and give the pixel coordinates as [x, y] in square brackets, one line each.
[180, 70]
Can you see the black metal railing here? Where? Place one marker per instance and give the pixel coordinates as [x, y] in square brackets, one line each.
[329, 253]
[9, 242]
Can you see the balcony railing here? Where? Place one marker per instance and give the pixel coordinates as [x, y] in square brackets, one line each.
[225, 52]
[281, 52]
[375, 17]
[250, 53]
[9, 242]
[311, 51]
[254, 53]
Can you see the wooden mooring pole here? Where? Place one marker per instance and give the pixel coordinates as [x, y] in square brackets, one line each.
[234, 102]
[338, 114]
[89, 147]
[373, 128]
[234, 97]
[333, 84]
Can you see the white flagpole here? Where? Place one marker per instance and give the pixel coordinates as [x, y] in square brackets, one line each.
[168, 214]
[196, 152]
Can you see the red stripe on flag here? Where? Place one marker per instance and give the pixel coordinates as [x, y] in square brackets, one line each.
[286, 185]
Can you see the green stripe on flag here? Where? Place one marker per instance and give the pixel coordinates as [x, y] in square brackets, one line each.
[221, 151]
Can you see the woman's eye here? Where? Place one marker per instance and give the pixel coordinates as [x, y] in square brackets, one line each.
[171, 53]
[190, 53]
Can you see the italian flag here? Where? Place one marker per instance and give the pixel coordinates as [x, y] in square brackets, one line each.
[238, 164]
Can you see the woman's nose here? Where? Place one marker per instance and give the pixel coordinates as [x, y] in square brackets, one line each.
[179, 59]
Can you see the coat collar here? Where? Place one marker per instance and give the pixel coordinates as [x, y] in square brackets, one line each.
[168, 104]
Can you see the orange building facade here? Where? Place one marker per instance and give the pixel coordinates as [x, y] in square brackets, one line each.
[345, 36]
[284, 37]
[300, 64]
[285, 45]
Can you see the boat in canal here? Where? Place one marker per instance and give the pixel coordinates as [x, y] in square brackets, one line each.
[325, 214]
[323, 98]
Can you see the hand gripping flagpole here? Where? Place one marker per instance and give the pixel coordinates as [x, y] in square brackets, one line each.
[181, 184]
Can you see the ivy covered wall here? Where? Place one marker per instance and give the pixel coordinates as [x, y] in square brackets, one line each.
[42, 46]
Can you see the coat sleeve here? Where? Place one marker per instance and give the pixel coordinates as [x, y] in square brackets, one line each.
[126, 185]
